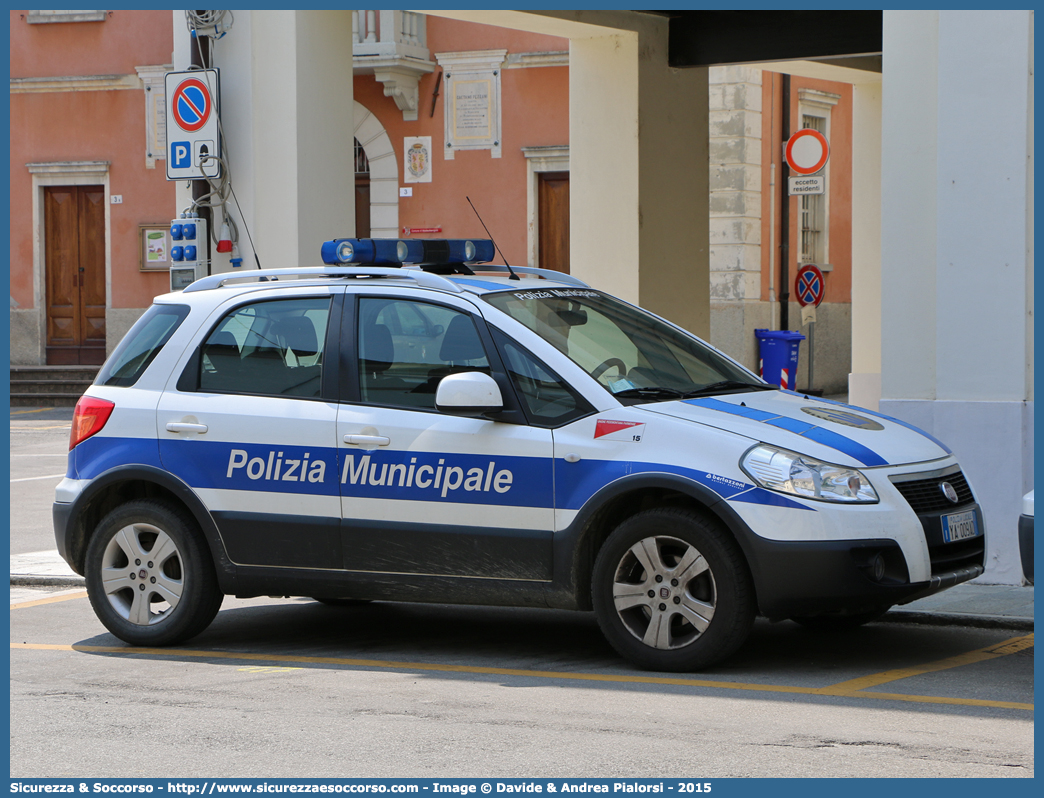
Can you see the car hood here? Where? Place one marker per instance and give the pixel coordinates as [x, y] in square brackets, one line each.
[830, 431]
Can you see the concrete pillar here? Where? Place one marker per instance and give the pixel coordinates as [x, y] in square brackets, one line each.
[287, 132]
[956, 271]
[674, 185]
[864, 381]
[604, 203]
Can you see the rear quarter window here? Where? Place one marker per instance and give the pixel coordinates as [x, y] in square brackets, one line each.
[140, 346]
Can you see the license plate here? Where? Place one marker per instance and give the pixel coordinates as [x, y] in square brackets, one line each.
[959, 526]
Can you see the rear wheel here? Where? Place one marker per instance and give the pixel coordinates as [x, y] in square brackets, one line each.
[149, 574]
[672, 592]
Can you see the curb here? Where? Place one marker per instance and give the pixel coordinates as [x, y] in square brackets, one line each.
[23, 580]
[1022, 624]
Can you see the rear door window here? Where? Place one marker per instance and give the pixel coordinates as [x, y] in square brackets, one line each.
[271, 348]
[141, 345]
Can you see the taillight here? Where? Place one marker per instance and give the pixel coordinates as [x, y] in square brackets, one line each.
[89, 417]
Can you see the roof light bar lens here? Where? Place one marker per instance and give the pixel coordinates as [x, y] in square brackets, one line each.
[391, 251]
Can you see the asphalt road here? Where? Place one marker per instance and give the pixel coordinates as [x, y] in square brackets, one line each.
[285, 688]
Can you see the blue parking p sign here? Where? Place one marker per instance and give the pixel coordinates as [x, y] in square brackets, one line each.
[180, 154]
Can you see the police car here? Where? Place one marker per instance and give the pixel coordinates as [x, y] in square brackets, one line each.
[450, 432]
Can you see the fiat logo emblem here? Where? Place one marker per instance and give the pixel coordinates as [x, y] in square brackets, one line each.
[949, 492]
[665, 593]
[143, 573]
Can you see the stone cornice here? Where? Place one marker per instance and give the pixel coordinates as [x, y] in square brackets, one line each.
[75, 83]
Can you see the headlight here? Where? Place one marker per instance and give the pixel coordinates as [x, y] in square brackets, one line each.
[801, 475]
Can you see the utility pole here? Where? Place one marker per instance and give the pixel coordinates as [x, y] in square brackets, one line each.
[199, 51]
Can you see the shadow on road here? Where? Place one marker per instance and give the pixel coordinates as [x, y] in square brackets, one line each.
[518, 646]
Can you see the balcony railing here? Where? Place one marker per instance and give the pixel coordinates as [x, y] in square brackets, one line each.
[392, 46]
[384, 33]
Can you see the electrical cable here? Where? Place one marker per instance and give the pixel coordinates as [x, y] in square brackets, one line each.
[249, 238]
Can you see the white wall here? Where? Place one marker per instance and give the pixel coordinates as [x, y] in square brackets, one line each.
[957, 249]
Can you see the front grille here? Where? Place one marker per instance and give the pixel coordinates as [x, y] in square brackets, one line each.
[930, 503]
[925, 495]
[962, 554]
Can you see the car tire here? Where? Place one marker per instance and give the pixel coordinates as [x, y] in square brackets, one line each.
[153, 544]
[342, 602]
[839, 623]
[702, 605]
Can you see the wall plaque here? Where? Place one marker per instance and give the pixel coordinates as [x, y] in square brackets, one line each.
[472, 108]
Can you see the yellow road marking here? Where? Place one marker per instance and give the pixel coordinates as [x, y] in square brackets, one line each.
[50, 600]
[267, 669]
[587, 677]
[1011, 646]
[23, 412]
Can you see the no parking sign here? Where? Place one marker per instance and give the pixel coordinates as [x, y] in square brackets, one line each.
[192, 124]
[808, 285]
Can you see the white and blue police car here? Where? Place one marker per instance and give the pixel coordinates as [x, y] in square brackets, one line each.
[448, 432]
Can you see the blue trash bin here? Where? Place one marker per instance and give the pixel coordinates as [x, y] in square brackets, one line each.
[779, 356]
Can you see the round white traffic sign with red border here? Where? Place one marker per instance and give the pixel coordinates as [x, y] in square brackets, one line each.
[809, 285]
[807, 151]
[191, 104]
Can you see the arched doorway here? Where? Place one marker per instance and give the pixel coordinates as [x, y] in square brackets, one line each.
[376, 177]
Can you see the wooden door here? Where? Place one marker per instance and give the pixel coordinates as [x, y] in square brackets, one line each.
[553, 220]
[74, 268]
[362, 205]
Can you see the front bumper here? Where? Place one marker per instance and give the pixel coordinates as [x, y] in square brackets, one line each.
[839, 577]
[1026, 546]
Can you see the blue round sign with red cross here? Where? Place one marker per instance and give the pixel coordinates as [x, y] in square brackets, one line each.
[809, 285]
[191, 104]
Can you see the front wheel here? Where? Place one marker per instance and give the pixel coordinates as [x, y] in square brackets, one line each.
[671, 591]
[149, 575]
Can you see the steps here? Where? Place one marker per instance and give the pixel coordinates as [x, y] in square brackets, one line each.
[49, 386]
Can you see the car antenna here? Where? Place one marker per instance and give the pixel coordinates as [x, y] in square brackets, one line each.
[512, 271]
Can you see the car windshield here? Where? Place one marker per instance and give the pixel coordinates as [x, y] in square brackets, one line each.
[633, 354]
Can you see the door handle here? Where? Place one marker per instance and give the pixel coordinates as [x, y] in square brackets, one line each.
[363, 440]
[185, 426]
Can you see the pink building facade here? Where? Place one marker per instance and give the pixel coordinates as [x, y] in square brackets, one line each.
[84, 178]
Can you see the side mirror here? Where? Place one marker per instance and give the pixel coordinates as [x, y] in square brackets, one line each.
[470, 393]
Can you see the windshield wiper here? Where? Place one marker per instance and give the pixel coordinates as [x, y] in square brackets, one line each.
[650, 393]
[726, 385]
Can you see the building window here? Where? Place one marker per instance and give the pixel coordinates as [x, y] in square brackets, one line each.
[362, 165]
[813, 209]
[814, 108]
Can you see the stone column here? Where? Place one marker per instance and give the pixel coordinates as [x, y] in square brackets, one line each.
[735, 212]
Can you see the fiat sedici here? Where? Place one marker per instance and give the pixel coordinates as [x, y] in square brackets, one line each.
[452, 432]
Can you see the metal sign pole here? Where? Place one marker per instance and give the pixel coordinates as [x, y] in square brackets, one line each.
[811, 350]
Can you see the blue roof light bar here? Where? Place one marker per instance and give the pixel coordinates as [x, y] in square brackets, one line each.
[395, 252]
